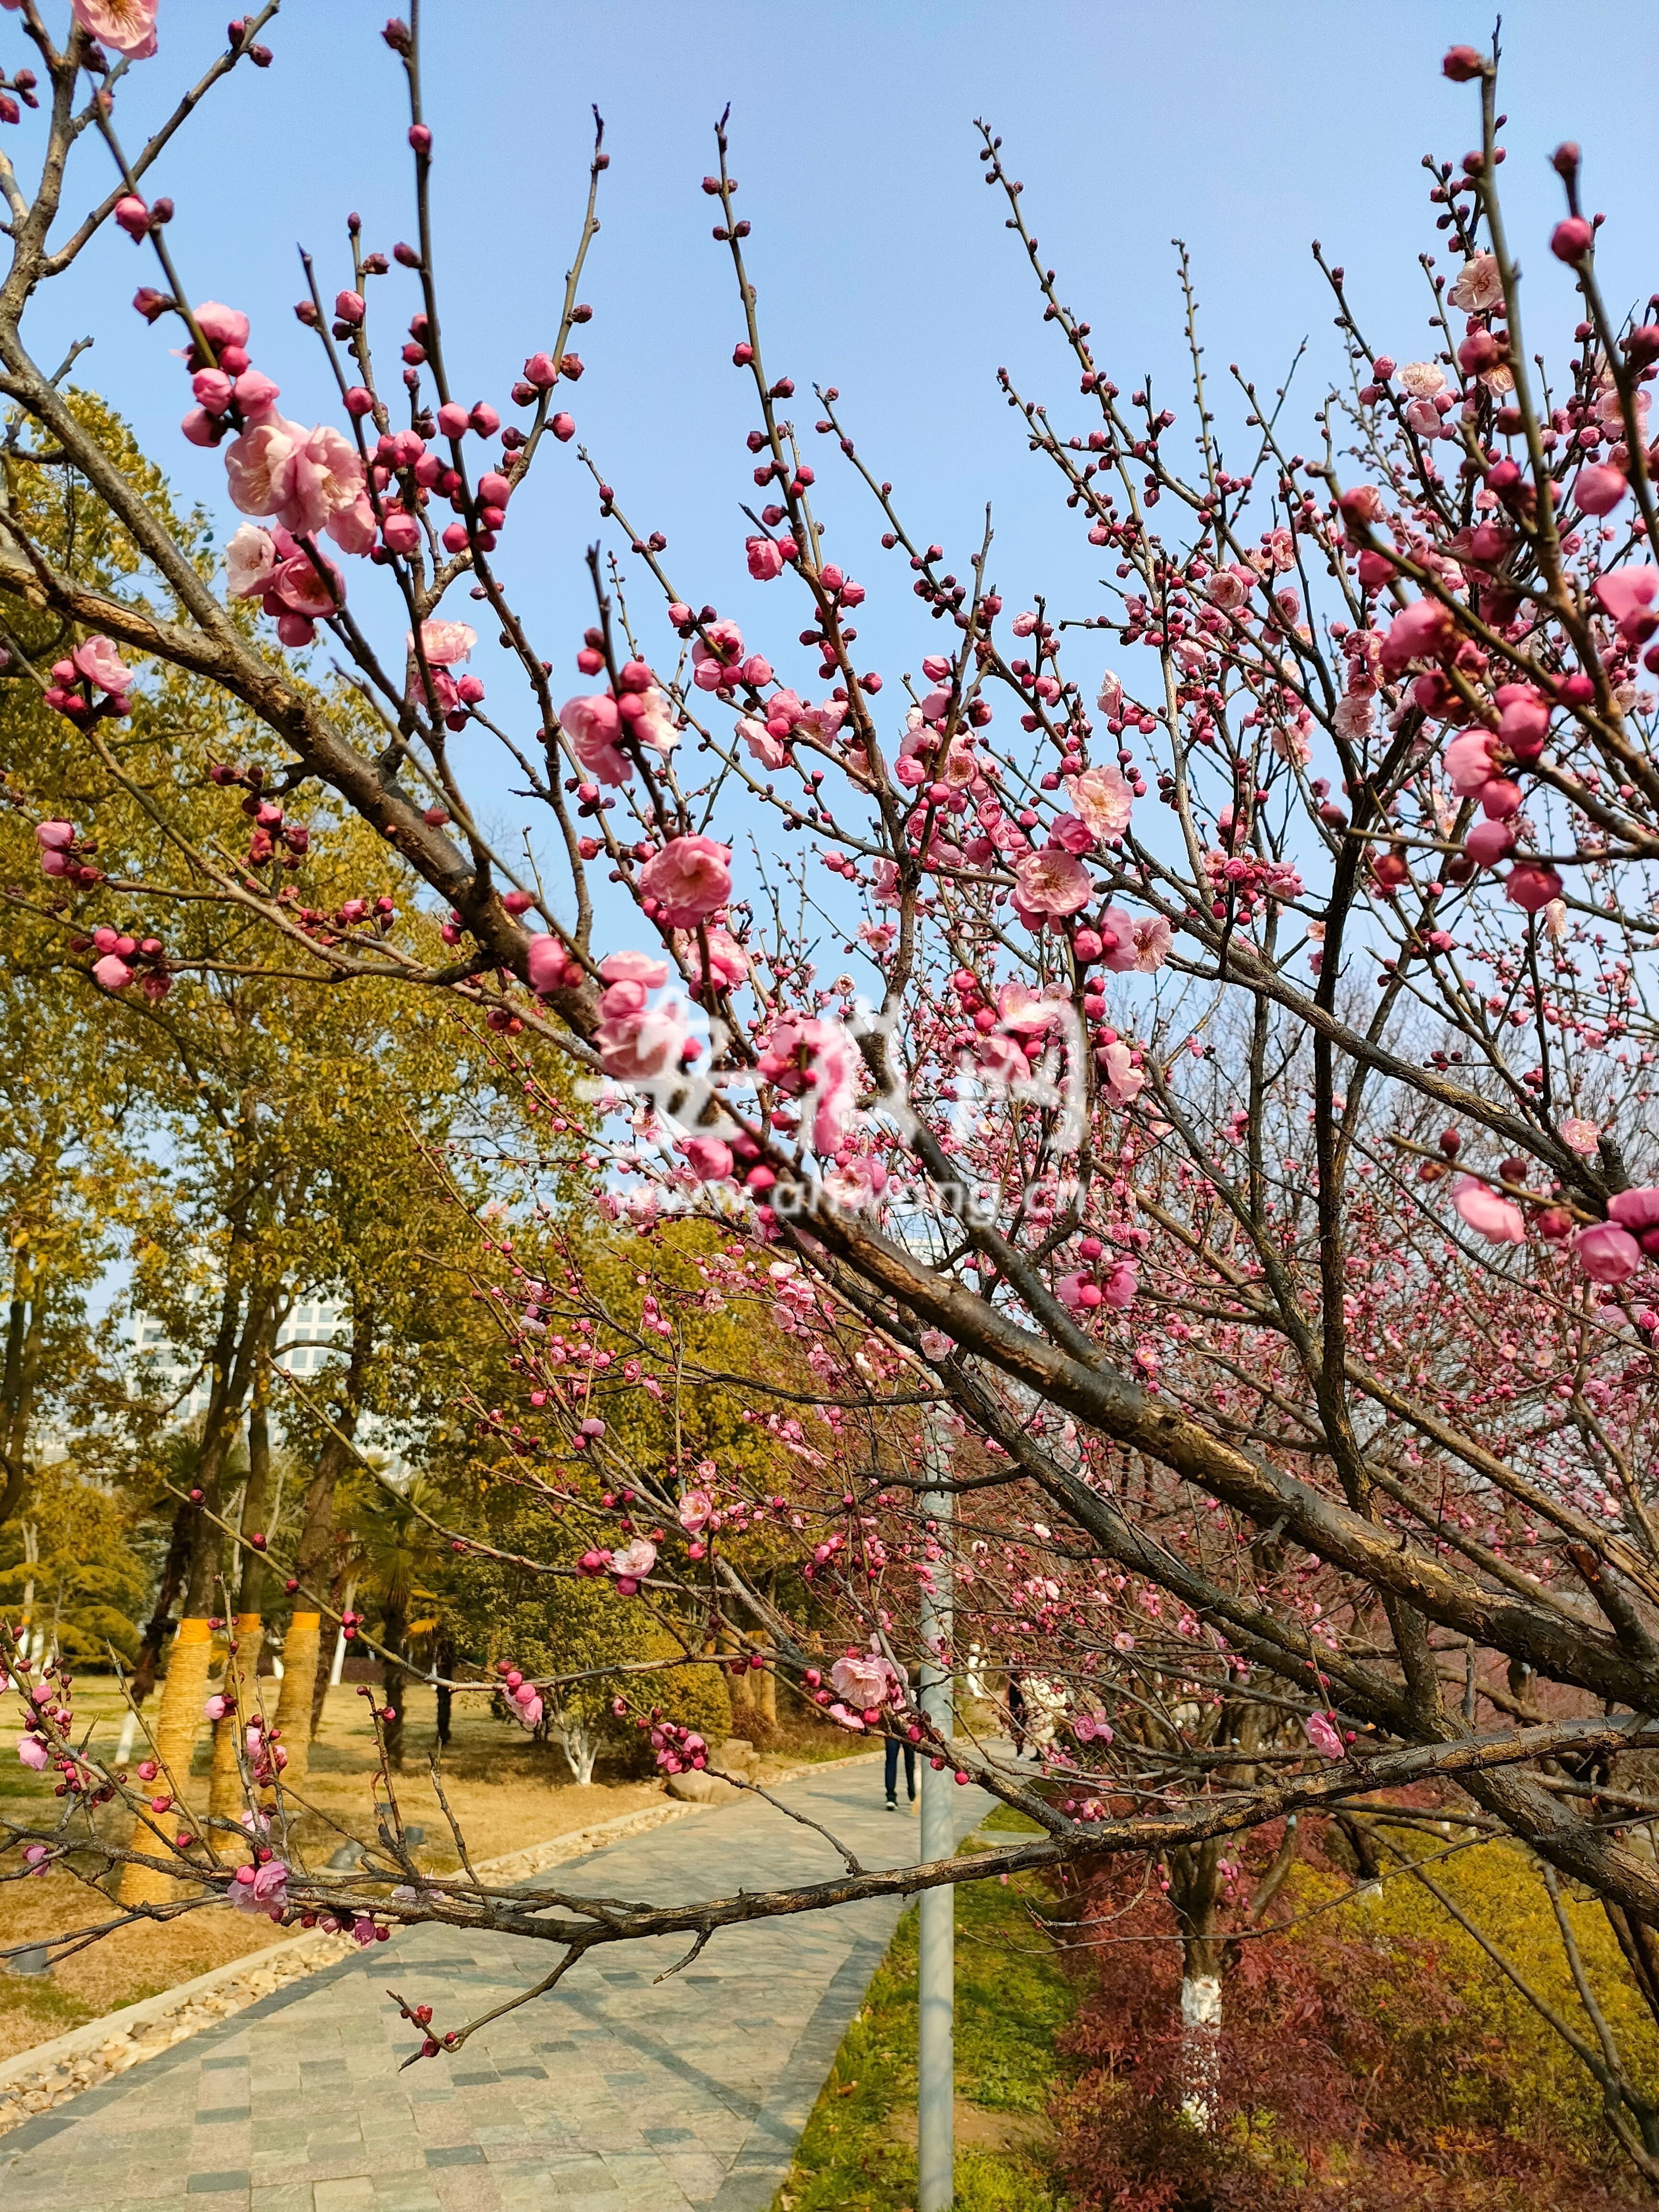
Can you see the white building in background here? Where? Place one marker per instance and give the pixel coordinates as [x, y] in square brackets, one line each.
[315, 1335]
[319, 1333]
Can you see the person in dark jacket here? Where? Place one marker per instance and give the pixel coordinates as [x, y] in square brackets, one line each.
[894, 1748]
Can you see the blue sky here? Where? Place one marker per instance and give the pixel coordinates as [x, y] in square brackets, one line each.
[881, 262]
[1246, 128]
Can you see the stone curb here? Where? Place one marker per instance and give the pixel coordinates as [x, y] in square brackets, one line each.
[50, 2073]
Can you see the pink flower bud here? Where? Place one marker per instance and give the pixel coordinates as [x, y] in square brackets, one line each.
[212, 388]
[1572, 239]
[1606, 1253]
[1598, 489]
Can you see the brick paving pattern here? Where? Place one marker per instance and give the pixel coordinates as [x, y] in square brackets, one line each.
[617, 2093]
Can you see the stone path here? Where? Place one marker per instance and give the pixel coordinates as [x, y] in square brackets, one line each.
[615, 2094]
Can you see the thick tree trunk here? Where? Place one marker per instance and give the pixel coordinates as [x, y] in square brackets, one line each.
[1199, 2075]
[305, 1678]
[174, 1568]
[25, 1328]
[185, 1694]
[173, 1739]
[242, 1668]
[444, 1664]
[1195, 1890]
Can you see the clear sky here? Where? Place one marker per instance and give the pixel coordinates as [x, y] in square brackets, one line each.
[1245, 127]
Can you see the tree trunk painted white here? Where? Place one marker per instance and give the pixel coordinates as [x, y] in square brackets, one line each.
[338, 1668]
[128, 1735]
[1201, 2049]
[581, 1747]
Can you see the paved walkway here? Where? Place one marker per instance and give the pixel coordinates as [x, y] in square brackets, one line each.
[615, 2094]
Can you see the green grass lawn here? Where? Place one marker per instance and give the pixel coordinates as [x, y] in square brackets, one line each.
[857, 2154]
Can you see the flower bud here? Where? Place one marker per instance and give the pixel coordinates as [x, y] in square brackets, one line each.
[1571, 239]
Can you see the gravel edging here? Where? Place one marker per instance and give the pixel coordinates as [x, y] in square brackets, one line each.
[50, 2073]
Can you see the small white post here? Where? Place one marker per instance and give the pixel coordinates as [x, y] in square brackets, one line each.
[335, 1671]
[936, 2054]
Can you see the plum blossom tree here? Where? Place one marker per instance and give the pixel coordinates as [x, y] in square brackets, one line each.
[1233, 1122]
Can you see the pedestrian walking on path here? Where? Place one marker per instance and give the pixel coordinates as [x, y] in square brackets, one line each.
[892, 1759]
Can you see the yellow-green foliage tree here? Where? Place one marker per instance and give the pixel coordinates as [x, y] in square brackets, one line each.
[69, 1573]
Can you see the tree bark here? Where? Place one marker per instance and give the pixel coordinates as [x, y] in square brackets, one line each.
[304, 1680]
[174, 1568]
[242, 1669]
[25, 1328]
[185, 1691]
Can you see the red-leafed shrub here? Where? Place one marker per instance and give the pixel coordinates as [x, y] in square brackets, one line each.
[1352, 2078]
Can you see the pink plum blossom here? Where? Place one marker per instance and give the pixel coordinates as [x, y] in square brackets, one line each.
[1102, 798]
[1606, 1253]
[1482, 1210]
[694, 1508]
[640, 1045]
[729, 963]
[1123, 1079]
[1626, 592]
[689, 879]
[806, 1055]
[593, 726]
[1052, 882]
[1637, 1209]
[304, 477]
[1153, 939]
[709, 1159]
[1598, 490]
[1479, 286]
[864, 1678]
[102, 665]
[443, 643]
[551, 966]
[769, 751]
[127, 27]
[249, 562]
[715, 654]
[634, 968]
[1323, 1737]
[34, 1753]
[635, 1559]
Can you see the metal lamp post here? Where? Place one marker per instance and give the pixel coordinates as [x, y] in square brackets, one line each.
[936, 2069]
